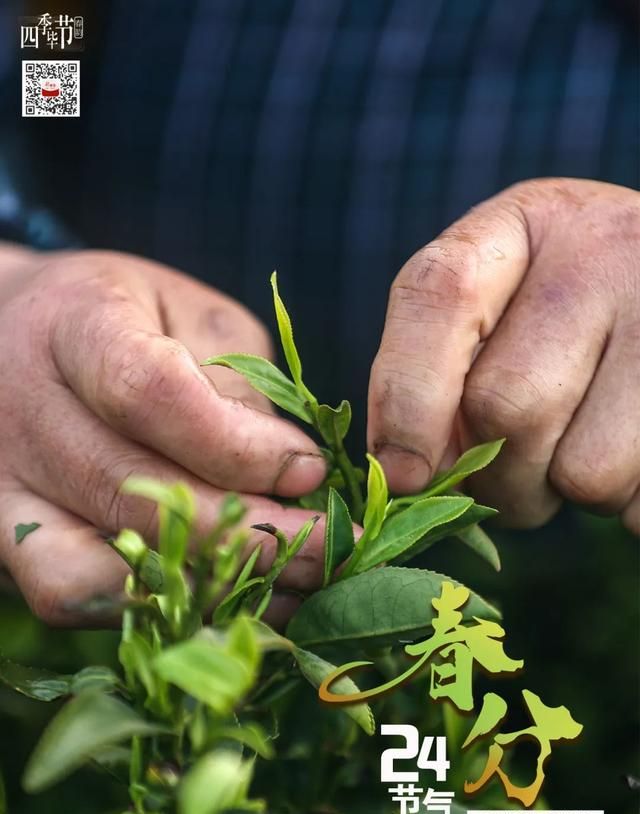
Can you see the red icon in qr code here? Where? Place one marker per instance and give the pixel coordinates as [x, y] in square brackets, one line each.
[50, 87]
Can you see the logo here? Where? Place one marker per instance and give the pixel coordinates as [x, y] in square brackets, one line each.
[50, 87]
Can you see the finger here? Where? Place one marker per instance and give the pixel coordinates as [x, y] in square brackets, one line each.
[597, 461]
[210, 324]
[444, 301]
[61, 566]
[526, 384]
[149, 387]
[87, 463]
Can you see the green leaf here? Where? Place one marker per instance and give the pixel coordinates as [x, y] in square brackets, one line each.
[247, 568]
[315, 670]
[136, 656]
[130, 546]
[227, 605]
[267, 639]
[334, 423]
[176, 511]
[478, 540]
[317, 500]
[209, 669]
[217, 783]
[473, 460]
[250, 735]
[474, 514]
[383, 606]
[95, 678]
[339, 541]
[36, 683]
[242, 642]
[87, 724]
[22, 530]
[288, 345]
[377, 498]
[301, 537]
[267, 379]
[151, 572]
[401, 531]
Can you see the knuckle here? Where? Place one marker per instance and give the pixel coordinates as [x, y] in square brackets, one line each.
[581, 480]
[502, 402]
[115, 509]
[438, 277]
[140, 374]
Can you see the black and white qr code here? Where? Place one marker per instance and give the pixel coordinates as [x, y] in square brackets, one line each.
[51, 87]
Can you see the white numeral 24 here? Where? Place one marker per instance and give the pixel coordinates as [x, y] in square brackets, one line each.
[412, 749]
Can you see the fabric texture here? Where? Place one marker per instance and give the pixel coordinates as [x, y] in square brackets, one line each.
[329, 140]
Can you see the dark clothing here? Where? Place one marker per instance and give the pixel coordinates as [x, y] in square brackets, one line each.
[329, 140]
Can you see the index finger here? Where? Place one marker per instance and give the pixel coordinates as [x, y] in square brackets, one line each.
[446, 299]
[149, 387]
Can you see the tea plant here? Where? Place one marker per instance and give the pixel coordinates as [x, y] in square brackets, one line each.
[206, 688]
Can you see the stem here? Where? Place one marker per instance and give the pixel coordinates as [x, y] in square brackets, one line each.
[351, 479]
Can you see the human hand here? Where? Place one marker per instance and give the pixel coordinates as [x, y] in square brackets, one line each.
[520, 320]
[98, 357]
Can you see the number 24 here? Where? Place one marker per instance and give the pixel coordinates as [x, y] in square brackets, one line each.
[412, 749]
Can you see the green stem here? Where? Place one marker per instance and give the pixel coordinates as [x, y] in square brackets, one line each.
[351, 479]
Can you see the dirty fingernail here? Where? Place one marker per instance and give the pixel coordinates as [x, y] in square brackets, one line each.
[301, 474]
[407, 470]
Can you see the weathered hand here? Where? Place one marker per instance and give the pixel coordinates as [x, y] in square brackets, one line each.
[521, 320]
[98, 357]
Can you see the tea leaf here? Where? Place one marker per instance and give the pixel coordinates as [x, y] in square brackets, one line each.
[338, 535]
[22, 530]
[478, 540]
[471, 461]
[288, 345]
[315, 670]
[176, 510]
[317, 500]
[36, 683]
[87, 724]
[383, 606]
[250, 735]
[333, 424]
[130, 546]
[267, 379]
[247, 568]
[377, 498]
[95, 678]
[242, 642]
[227, 605]
[401, 531]
[209, 668]
[474, 514]
[151, 572]
[301, 537]
[217, 782]
[136, 656]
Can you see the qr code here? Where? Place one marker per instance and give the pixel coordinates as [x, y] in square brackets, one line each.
[51, 87]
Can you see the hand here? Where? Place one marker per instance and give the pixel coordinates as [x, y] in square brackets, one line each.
[98, 355]
[521, 320]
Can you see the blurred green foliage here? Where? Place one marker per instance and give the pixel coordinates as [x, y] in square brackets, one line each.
[570, 596]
